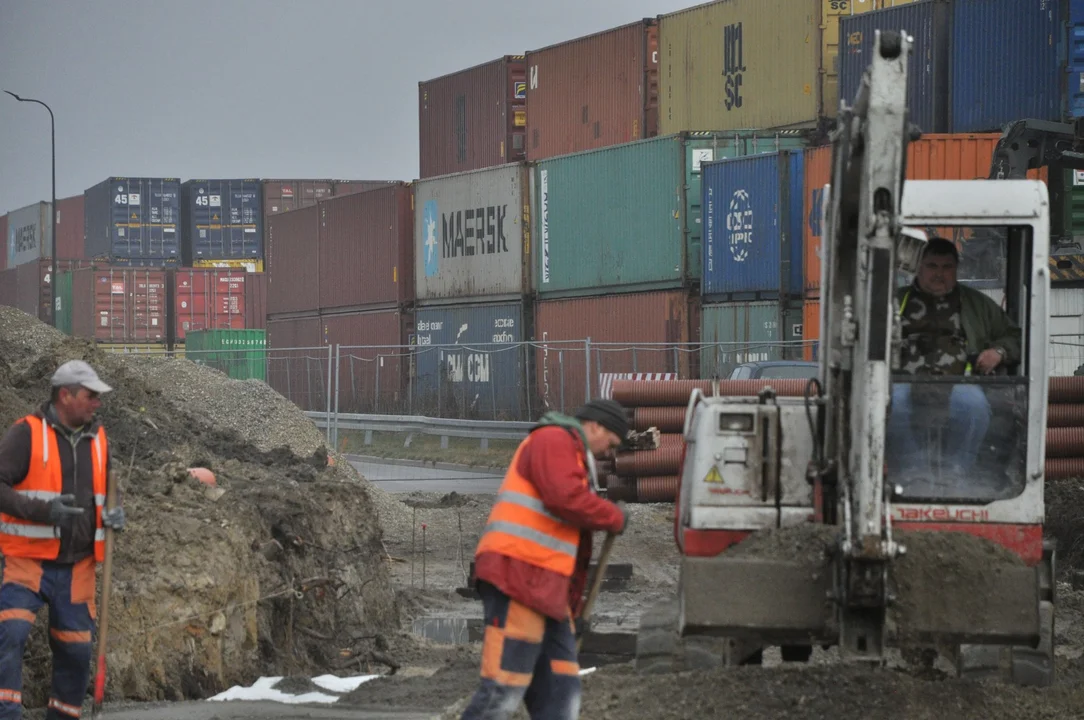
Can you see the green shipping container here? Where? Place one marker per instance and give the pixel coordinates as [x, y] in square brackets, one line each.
[241, 354]
[628, 216]
[742, 332]
[63, 302]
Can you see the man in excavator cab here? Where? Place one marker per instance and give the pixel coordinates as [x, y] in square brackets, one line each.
[948, 330]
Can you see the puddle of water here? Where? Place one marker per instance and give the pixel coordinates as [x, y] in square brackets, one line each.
[449, 630]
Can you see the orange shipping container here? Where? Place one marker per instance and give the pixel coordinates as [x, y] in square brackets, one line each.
[811, 328]
[962, 156]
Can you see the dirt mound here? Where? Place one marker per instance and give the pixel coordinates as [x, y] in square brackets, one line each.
[278, 571]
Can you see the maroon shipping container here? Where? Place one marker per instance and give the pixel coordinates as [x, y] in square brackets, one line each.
[120, 305]
[70, 228]
[29, 286]
[349, 187]
[293, 261]
[299, 375]
[635, 333]
[366, 254]
[473, 119]
[256, 301]
[3, 248]
[209, 299]
[9, 283]
[285, 195]
[371, 379]
[594, 91]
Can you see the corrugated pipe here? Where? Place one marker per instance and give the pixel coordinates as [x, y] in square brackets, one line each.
[664, 461]
[1064, 468]
[1065, 442]
[619, 488]
[1063, 389]
[1065, 415]
[666, 419]
[657, 489]
[662, 393]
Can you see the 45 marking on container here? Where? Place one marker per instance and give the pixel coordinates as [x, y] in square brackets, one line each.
[714, 476]
[739, 225]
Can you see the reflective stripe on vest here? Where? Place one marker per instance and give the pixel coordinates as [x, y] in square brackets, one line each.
[520, 527]
[44, 481]
[903, 304]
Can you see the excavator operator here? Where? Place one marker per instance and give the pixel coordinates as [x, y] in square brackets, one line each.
[948, 329]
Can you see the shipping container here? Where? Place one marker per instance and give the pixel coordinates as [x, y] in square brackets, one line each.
[811, 330]
[473, 234]
[134, 221]
[256, 301]
[30, 234]
[1066, 331]
[374, 360]
[240, 354]
[1074, 100]
[70, 228]
[962, 156]
[29, 286]
[297, 361]
[638, 332]
[594, 91]
[62, 303]
[628, 216]
[1006, 62]
[121, 305]
[929, 71]
[208, 300]
[252, 266]
[366, 249]
[473, 119]
[293, 261]
[350, 187]
[285, 195]
[487, 377]
[741, 332]
[223, 220]
[4, 237]
[753, 227]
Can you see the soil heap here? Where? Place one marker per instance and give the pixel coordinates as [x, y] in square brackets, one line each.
[279, 570]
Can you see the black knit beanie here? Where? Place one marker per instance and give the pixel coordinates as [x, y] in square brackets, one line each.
[607, 413]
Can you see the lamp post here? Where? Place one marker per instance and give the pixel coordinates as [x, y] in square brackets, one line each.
[52, 207]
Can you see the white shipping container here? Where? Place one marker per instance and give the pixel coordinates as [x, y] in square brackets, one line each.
[30, 234]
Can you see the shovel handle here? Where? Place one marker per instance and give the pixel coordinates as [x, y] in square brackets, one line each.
[596, 582]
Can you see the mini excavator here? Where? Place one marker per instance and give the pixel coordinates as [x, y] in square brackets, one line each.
[779, 465]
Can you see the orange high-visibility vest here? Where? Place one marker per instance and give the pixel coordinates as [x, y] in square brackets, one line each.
[520, 527]
[41, 541]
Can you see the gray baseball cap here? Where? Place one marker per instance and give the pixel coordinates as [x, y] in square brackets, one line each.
[77, 372]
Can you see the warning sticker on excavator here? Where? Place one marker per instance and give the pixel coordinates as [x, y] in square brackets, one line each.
[713, 476]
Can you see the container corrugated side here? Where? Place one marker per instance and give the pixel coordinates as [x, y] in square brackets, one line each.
[9, 284]
[285, 195]
[256, 301]
[637, 332]
[753, 226]
[1006, 63]
[473, 119]
[208, 300]
[1074, 61]
[63, 303]
[240, 354]
[224, 220]
[30, 234]
[371, 378]
[956, 156]
[340, 188]
[740, 64]
[29, 287]
[593, 91]
[472, 234]
[293, 278]
[811, 330]
[120, 305]
[366, 249]
[484, 379]
[929, 71]
[299, 375]
[70, 228]
[736, 333]
[134, 221]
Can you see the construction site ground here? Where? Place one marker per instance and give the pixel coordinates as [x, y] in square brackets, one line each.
[295, 566]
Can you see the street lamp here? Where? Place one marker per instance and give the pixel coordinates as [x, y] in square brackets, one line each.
[52, 207]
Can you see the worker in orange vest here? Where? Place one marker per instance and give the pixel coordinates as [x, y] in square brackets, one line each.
[53, 469]
[532, 559]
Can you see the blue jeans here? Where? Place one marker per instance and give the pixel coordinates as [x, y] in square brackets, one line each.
[964, 428]
[69, 591]
[526, 657]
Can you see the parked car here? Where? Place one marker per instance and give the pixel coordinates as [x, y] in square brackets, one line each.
[775, 369]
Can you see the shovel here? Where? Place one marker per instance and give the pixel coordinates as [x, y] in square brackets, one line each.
[103, 617]
[596, 584]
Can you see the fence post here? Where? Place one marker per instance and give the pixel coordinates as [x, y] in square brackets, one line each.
[587, 370]
[328, 393]
[376, 388]
[527, 379]
[440, 373]
[338, 366]
[289, 390]
[561, 367]
[353, 387]
[634, 368]
[677, 364]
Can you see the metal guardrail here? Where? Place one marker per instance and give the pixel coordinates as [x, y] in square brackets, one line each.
[483, 430]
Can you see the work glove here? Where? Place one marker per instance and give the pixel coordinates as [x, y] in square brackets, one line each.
[624, 511]
[114, 518]
[61, 510]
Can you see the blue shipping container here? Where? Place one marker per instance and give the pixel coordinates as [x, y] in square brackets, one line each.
[1005, 64]
[1075, 60]
[929, 22]
[753, 226]
[486, 377]
[134, 221]
[223, 220]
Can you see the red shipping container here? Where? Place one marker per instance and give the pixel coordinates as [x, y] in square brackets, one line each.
[70, 228]
[9, 284]
[208, 299]
[299, 375]
[366, 255]
[371, 379]
[293, 262]
[120, 305]
[595, 91]
[473, 119]
[656, 324]
[29, 286]
[349, 187]
[284, 195]
[256, 301]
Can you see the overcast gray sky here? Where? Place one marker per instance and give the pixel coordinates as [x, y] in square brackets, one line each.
[248, 88]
